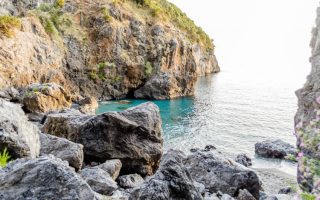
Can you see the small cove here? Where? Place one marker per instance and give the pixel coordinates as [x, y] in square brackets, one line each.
[228, 113]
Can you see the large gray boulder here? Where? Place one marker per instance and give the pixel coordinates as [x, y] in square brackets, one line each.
[134, 136]
[99, 180]
[63, 149]
[172, 181]
[46, 177]
[274, 149]
[218, 173]
[17, 134]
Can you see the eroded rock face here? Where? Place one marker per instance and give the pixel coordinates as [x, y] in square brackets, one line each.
[220, 174]
[63, 149]
[42, 98]
[134, 136]
[172, 181]
[274, 149]
[140, 53]
[17, 134]
[42, 178]
[307, 120]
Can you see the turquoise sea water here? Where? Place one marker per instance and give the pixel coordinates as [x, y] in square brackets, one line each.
[229, 113]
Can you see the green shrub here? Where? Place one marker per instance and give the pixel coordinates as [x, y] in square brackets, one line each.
[307, 196]
[49, 27]
[148, 69]
[59, 3]
[4, 158]
[106, 14]
[168, 11]
[7, 24]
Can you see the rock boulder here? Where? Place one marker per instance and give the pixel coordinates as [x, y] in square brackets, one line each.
[47, 97]
[172, 181]
[63, 149]
[274, 149]
[43, 178]
[218, 173]
[17, 134]
[99, 180]
[134, 136]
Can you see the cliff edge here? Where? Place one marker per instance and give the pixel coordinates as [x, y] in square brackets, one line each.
[307, 121]
[109, 49]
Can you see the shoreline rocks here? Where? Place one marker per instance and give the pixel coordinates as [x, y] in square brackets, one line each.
[42, 178]
[134, 136]
[275, 149]
[17, 134]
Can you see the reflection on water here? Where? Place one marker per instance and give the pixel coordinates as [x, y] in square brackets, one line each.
[229, 112]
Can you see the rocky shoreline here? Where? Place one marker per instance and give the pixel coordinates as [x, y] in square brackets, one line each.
[116, 155]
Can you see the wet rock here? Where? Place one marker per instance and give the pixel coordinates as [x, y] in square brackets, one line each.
[99, 180]
[130, 181]
[44, 98]
[88, 105]
[171, 181]
[244, 160]
[218, 173]
[274, 149]
[286, 190]
[17, 134]
[134, 136]
[42, 178]
[63, 149]
[245, 195]
[112, 167]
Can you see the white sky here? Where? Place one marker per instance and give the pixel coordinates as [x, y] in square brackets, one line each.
[265, 37]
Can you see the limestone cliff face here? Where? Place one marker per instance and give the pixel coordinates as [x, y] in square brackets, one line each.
[307, 121]
[106, 49]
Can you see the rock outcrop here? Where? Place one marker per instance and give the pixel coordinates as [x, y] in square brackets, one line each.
[63, 149]
[218, 173]
[17, 134]
[172, 181]
[42, 178]
[108, 50]
[275, 149]
[43, 98]
[134, 136]
[307, 120]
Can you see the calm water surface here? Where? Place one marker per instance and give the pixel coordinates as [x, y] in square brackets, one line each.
[230, 113]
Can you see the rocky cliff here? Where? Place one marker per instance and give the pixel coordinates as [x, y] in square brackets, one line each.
[307, 121]
[108, 49]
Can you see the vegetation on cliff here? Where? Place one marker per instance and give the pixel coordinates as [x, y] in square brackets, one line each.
[4, 158]
[7, 24]
[168, 11]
